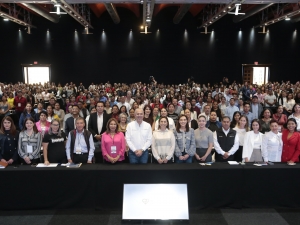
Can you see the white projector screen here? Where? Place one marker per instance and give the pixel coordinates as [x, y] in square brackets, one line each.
[155, 201]
[35, 75]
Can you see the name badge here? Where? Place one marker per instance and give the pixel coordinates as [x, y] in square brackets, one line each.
[78, 150]
[113, 149]
[19, 104]
[250, 95]
[29, 149]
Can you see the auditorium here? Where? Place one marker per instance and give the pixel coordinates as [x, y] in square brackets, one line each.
[149, 112]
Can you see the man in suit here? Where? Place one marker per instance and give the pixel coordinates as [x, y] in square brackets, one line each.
[70, 122]
[256, 108]
[97, 126]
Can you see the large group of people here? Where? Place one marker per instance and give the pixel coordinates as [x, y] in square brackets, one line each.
[138, 123]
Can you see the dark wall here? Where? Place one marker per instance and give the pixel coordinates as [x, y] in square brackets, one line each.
[171, 54]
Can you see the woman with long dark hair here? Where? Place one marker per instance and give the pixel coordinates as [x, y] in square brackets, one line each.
[291, 142]
[185, 147]
[9, 137]
[27, 113]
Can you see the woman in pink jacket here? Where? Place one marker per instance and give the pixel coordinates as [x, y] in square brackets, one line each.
[113, 143]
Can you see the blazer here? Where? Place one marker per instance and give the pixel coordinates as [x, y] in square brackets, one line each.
[260, 109]
[69, 125]
[190, 144]
[93, 127]
[249, 143]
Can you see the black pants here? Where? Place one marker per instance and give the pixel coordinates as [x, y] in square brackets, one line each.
[238, 155]
[80, 158]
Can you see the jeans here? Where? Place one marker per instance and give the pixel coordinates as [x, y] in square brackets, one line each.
[133, 159]
[189, 159]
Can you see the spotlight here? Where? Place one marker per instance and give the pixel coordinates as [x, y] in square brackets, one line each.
[142, 27]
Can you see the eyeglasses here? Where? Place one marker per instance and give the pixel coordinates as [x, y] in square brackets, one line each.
[55, 124]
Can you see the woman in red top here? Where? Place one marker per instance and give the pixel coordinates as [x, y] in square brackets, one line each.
[291, 142]
[280, 117]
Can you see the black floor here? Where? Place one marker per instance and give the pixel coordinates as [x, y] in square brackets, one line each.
[197, 217]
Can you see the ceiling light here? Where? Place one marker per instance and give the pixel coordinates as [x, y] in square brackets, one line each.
[287, 18]
[224, 10]
[148, 20]
[229, 7]
[5, 19]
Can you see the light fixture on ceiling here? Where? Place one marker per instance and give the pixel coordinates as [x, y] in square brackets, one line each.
[5, 19]
[238, 7]
[58, 12]
[287, 18]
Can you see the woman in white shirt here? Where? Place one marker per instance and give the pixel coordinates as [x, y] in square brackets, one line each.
[271, 148]
[163, 142]
[252, 143]
[289, 104]
[241, 128]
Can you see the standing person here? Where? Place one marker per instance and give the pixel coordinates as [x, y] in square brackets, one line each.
[4, 107]
[60, 113]
[51, 114]
[148, 117]
[70, 122]
[231, 109]
[185, 147]
[236, 118]
[97, 126]
[252, 143]
[163, 142]
[212, 124]
[270, 100]
[138, 137]
[113, 143]
[296, 115]
[172, 114]
[241, 129]
[226, 142]
[265, 120]
[20, 103]
[9, 137]
[83, 112]
[171, 123]
[272, 144]
[191, 122]
[280, 117]
[291, 142]
[289, 104]
[256, 108]
[43, 125]
[80, 146]
[204, 141]
[30, 141]
[246, 112]
[215, 108]
[54, 142]
[27, 113]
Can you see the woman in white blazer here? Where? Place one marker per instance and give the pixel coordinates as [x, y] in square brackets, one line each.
[272, 144]
[253, 143]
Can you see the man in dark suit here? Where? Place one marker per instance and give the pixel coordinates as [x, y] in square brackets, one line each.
[70, 122]
[97, 126]
[256, 108]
